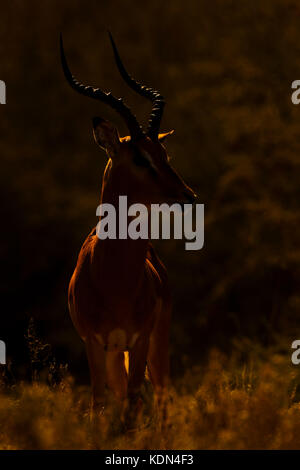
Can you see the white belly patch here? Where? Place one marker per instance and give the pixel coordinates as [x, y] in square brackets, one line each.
[133, 339]
[117, 340]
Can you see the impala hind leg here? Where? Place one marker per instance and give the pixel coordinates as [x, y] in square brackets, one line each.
[96, 359]
[158, 364]
[158, 368]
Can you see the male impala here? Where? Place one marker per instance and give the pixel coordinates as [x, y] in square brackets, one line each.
[118, 296]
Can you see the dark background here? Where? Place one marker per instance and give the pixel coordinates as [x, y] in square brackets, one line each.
[226, 70]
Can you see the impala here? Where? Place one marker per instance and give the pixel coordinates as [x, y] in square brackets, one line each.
[119, 298]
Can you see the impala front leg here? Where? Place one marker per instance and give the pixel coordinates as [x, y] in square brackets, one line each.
[96, 359]
[137, 367]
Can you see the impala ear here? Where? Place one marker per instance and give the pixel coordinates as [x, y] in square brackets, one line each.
[106, 136]
[162, 137]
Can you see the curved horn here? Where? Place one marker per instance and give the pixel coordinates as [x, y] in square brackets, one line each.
[154, 96]
[97, 94]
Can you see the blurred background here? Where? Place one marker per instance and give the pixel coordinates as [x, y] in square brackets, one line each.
[226, 70]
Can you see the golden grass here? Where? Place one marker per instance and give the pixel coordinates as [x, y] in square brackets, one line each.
[221, 406]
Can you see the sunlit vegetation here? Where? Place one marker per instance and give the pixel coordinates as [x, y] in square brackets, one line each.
[224, 405]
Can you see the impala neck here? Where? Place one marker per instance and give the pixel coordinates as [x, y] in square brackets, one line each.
[122, 261]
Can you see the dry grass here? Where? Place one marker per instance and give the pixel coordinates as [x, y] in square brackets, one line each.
[224, 406]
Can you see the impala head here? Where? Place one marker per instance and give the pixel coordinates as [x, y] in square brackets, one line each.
[140, 160]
